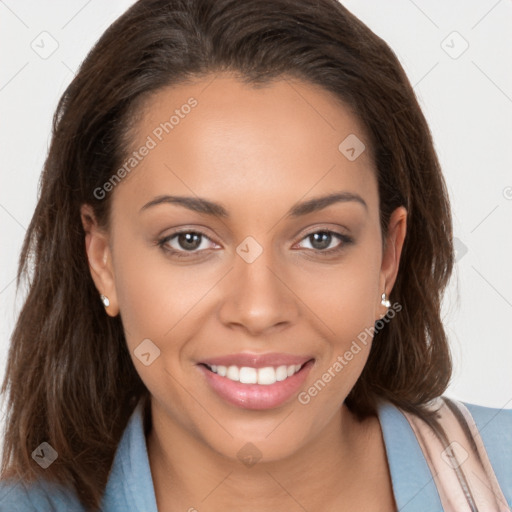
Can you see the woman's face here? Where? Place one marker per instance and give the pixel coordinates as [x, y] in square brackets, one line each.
[264, 274]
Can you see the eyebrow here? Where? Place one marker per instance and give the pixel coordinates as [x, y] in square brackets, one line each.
[205, 206]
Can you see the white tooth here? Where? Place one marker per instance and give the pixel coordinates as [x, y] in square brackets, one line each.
[266, 376]
[248, 375]
[214, 368]
[290, 370]
[297, 368]
[281, 373]
[233, 373]
[222, 370]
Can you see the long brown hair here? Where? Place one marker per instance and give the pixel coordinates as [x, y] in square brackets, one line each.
[69, 379]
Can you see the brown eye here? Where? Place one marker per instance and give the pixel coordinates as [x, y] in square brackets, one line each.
[326, 241]
[185, 243]
[189, 241]
[321, 240]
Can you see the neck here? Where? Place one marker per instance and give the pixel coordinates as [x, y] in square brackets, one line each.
[188, 474]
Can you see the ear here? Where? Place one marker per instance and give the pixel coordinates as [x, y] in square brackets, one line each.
[100, 258]
[393, 245]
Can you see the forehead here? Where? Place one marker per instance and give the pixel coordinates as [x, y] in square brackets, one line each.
[222, 138]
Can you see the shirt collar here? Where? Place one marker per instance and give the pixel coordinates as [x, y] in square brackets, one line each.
[413, 485]
[130, 486]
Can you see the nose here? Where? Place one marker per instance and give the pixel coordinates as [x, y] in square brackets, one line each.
[257, 297]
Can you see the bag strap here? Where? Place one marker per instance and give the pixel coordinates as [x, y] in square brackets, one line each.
[457, 459]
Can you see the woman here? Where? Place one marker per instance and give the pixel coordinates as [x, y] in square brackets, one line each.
[240, 248]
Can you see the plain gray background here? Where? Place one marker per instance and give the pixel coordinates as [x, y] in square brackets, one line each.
[457, 55]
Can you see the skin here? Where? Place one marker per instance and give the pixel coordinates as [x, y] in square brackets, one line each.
[258, 152]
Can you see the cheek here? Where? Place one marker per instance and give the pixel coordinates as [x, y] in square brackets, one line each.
[345, 297]
[139, 292]
[159, 301]
[154, 295]
[156, 302]
[345, 301]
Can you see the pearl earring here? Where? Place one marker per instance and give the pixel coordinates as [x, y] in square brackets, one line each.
[384, 301]
[105, 300]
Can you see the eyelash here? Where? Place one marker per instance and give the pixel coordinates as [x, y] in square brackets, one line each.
[344, 239]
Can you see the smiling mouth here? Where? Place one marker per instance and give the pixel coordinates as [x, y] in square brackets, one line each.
[248, 375]
[256, 381]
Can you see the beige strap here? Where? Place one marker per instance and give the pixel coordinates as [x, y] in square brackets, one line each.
[459, 464]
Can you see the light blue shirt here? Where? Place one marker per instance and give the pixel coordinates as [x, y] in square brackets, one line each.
[130, 486]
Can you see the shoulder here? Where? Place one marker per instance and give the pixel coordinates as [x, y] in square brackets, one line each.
[129, 486]
[40, 496]
[495, 428]
[490, 419]
[412, 479]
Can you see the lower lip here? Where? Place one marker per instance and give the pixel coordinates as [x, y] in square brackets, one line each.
[257, 396]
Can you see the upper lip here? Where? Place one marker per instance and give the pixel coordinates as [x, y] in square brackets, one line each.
[257, 360]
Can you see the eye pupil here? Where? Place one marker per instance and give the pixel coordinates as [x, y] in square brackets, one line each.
[327, 238]
[189, 241]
